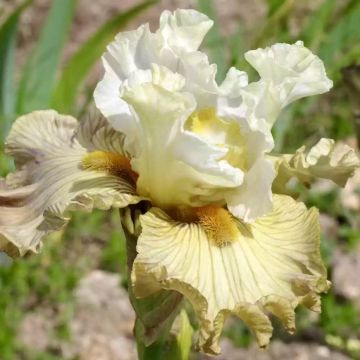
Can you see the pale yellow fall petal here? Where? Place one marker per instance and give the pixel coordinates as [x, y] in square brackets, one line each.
[61, 166]
[326, 160]
[269, 266]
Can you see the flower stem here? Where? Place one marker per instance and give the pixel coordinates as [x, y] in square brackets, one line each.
[155, 314]
[155, 351]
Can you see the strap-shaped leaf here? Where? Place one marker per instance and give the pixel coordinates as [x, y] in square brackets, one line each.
[8, 32]
[38, 80]
[82, 61]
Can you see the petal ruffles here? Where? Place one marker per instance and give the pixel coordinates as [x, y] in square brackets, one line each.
[49, 149]
[292, 68]
[326, 160]
[272, 266]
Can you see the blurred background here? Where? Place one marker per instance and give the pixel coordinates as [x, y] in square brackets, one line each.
[70, 301]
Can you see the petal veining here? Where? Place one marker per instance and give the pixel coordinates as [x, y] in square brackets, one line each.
[49, 151]
[273, 265]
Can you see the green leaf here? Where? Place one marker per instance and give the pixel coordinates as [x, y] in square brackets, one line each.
[214, 41]
[237, 47]
[182, 339]
[38, 80]
[315, 28]
[274, 6]
[81, 63]
[351, 76]
[340, 40]
[8, 33]
[275, 25]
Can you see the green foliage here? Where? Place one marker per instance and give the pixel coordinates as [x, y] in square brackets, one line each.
[238, 333]
[40, 71]
[337, 48]
[182, 340]
[8, 33]
[314, 30]
[80, 64]
[28, 283]
[113, 257]
[339, 317]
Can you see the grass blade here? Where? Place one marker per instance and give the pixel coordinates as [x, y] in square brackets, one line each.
[80, 64]
[315, 28]
[276, 23]
[39, 75]
[340, 40]
[214, 40]
[351, 77]
[8, 32]
[274, 6]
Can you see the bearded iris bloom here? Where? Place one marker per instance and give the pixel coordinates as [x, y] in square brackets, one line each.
[221, 228]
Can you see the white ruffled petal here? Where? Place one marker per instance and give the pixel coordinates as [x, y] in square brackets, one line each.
[254, 197]
[293, 70]
[233, 83]
[184, 30]
[175, 167]
[200, 77]
[115, 109]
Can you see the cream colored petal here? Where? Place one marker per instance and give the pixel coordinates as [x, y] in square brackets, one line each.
[131, 53]
[48, 149]
[271, 266]
[135, 51]
[327, 160]
[184, 30]
[292, 69]
[175, 166]
[116, 110]
[260, 100]
[234, 81]
[200, 77]
[126, 53]
[253, 198]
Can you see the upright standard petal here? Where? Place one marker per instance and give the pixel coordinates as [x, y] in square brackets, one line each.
[253, 198]
[293, 69]
[133, 52]
[175, 166]
[226, 267]
[326, 160]
[61, 166]
[184, 30]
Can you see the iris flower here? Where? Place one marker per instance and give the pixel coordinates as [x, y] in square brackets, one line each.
[221, 228]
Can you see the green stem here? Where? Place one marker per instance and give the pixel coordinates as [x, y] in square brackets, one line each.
[155, 351]
[156, 313]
